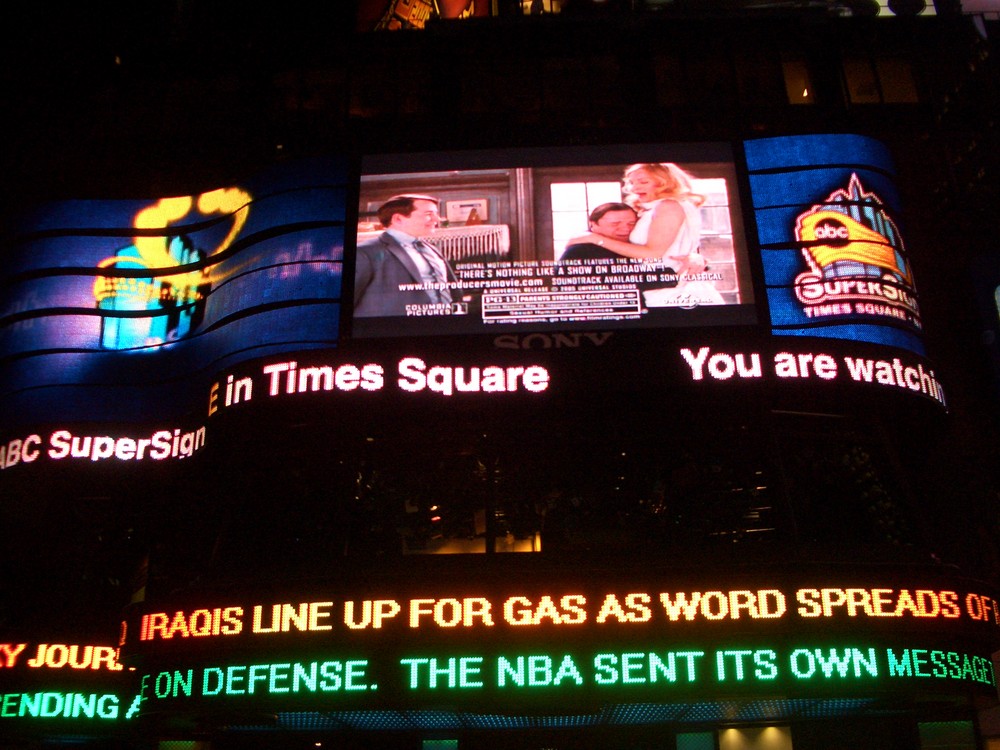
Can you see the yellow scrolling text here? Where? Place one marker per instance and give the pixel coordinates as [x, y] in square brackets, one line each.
[570, 609]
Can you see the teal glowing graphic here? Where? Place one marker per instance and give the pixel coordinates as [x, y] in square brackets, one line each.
[174, 303]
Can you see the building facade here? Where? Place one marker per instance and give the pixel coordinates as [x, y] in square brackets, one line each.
[278, 478]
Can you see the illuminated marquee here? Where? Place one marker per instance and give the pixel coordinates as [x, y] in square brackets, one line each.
[51, 705]
[574, 609]
[572, 645]
[276, 380]
[903, 373]
[343, 379]
[570, 675]
[63, 444]
[59, 656]
[283, 379]
[61, 681]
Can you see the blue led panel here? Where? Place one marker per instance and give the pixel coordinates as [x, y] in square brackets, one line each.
[110, 306]
[834, 258]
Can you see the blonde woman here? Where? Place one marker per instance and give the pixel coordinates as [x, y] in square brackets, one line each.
[668, 230]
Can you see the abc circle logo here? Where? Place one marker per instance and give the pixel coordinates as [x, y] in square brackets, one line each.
[831, 230]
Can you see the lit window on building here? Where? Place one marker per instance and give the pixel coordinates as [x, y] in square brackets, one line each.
[798, 84]
[756, 738]
[880, 81]
[538, 7]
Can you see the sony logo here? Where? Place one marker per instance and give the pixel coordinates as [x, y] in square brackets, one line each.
[550, 341]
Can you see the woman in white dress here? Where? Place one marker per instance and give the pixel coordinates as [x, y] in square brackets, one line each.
[667, 233]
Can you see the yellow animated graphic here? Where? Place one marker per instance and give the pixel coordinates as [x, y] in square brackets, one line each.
[169, 277]
[834, 237]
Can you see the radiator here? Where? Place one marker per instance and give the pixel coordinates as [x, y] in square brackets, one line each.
[458, 243]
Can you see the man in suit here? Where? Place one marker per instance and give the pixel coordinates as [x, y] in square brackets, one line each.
[398, 268]
[614, 220]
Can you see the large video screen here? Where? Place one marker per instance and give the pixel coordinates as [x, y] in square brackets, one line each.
[554, 239]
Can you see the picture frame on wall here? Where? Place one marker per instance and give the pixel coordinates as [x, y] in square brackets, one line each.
[475, 210]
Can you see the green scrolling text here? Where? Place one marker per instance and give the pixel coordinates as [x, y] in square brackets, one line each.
[633, 670]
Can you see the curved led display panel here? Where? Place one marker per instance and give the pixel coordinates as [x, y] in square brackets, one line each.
[127, 327]
[143, 297]
[53, 687]
[571, 644]
[835, 264]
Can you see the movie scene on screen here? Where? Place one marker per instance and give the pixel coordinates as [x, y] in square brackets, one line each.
[555, 239]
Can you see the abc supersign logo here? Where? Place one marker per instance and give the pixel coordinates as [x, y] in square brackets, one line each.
[831, 230]
[855, 258]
